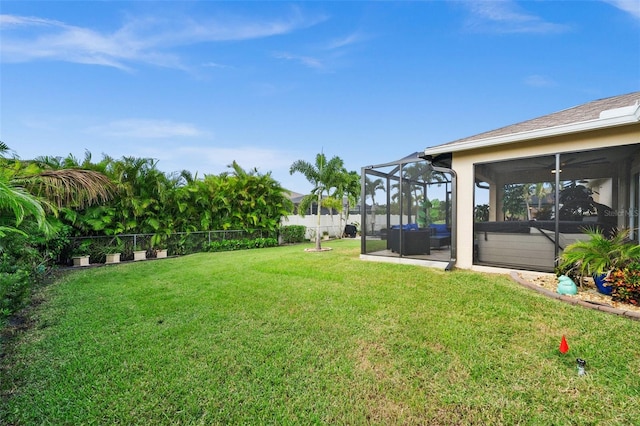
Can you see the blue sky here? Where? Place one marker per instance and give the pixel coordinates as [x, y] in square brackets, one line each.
[197, 85]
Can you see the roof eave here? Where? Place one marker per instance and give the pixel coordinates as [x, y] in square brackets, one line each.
[582, 126]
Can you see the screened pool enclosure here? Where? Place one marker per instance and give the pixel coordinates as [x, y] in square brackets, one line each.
[407, 212]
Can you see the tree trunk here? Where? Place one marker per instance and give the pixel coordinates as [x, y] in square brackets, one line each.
[318, 236]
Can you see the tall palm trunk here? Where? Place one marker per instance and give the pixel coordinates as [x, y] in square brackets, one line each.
[318, 246]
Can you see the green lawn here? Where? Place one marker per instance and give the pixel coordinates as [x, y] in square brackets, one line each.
[280, 336]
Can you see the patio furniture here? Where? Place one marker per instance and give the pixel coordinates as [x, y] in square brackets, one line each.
[414, 241]
[440, 235]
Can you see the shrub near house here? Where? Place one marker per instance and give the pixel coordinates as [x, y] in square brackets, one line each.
[615, 258]
[626, 283]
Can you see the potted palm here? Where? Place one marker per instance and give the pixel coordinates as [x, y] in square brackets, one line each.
[80, 254]
[139, 252]
[598, 256]
[159, 244]
[113, 251]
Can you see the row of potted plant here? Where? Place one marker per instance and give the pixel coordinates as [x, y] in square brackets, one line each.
[613, 261]
[112, 252]
[83, 259]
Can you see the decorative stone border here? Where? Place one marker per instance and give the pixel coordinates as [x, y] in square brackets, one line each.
[573, 301]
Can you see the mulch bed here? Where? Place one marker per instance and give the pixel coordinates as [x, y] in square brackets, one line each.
[587, 296]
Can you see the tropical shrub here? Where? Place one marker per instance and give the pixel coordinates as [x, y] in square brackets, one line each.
[244, 244]
[14, 291]
[598, 255]
[148, 201]
[481, 213]
[293, 233]
[625, 283]
[31, 198]
[225, 245]
[24, 258]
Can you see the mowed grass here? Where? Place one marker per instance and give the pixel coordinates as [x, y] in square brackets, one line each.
[281, 336]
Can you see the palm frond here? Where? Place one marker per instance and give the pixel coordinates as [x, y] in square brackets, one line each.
[599, 254]
[70, 187]
[22, 204]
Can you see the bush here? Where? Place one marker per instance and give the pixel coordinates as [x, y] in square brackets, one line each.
[188, 244]
[24, 260]
[625, 284]
[15, 289]
[293, 233]
[598, 255]
[245, 244]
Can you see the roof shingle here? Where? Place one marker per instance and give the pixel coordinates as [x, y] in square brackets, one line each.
[580, 113]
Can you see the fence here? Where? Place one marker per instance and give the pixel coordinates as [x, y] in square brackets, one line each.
[333, 226]
[179, 243]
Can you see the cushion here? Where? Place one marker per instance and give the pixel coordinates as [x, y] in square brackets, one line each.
[407, 227]
[440, 229]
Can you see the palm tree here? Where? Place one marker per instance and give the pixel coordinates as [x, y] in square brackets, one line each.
[418, 172]
[540, 191]
[347, 187]
[260, 202]
[370, 189]
[322, 175]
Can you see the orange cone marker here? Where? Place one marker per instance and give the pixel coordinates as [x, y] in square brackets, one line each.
[564, 347]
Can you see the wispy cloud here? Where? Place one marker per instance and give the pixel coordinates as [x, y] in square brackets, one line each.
[506, 16]
[537, 80]
[325, 55]
[631, 7]
[55, 40]
[307, 61]
[345, 41]
[138, 40]
[215, 65]
[147, 129]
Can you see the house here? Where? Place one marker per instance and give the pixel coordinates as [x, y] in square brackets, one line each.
[514, 197]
